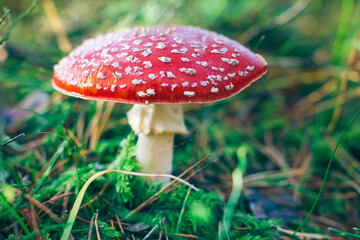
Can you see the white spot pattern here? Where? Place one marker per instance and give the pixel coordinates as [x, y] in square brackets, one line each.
[150, 92]
[214, 90]
[204, 63]
[85, 73]
[101, 75]
[117, 75]
[146, 53]
[160, 45]
[189, 71]
[233, 62]
[152, 76]
[138, 42]
[229, 87]
[147, 64]
[173, 86]
[185, 84]
[119, 57]
[138, 81]
[165, 59]
[250, 68]
[189, 94]
[170, 75]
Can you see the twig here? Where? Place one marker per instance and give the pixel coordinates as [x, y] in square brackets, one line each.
[106, 201]
[119, 223]
[75, 209]
[40, 206]
[113, 226]
[186, 179]
[58, 197]
[97, 226]
[185, 235]
[304, 235]
[141, 206]
[97, 196]
[34, 222]
[219, 230]
[82, 219]
[152, 230]
[65, 202]
[190, 176]
[241, 228]
[21, 135]
[91, 226]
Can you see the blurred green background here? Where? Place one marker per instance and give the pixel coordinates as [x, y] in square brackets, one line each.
[289, 121]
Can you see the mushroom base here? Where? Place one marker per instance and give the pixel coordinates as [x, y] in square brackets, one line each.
[155, 153]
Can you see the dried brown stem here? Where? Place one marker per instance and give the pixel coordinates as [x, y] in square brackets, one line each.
[97, 226]
[141, 206]
[91, 226]
[41, 207]
[97, 196]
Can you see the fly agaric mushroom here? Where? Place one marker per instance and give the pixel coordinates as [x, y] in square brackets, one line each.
[157, 69]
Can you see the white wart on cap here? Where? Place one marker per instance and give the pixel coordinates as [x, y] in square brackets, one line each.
[163, 64]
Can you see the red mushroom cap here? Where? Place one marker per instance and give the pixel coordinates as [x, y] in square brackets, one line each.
[163, 64]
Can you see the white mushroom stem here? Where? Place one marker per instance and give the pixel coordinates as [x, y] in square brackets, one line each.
[156, 125]
[155, 152]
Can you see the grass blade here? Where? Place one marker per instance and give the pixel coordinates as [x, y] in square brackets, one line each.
[342, 233]
[182, 211]
[236, 192]
[325, 176]
[51, 165]
[10, 208]
[79, 198]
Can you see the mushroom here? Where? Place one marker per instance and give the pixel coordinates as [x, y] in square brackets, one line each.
[158, 69]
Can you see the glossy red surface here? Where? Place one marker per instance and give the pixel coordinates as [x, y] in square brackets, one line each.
[163, 64]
